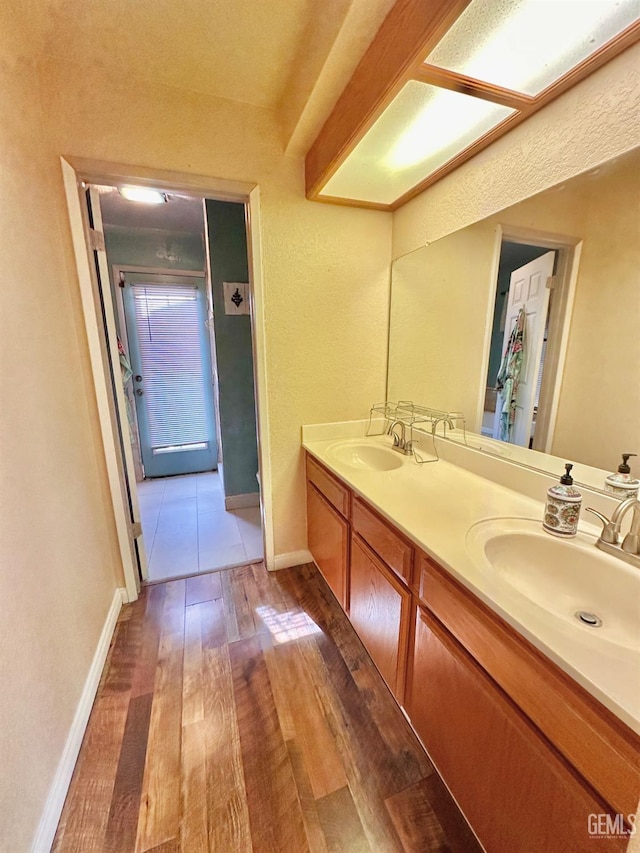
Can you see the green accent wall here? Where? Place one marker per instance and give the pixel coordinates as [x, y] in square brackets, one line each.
[234, 350]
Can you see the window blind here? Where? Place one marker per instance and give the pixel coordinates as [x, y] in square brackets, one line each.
[168, 320]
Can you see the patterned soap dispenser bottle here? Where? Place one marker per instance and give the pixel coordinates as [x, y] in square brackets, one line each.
[562, 511]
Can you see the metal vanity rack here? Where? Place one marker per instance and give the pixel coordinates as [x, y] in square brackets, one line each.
[423, 419]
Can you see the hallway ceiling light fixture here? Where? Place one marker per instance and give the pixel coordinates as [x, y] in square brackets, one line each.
[143, 194]
[443, 80]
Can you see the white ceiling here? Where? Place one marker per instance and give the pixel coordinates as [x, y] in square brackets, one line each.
[251, 51]
[237, 49]
[180, 213]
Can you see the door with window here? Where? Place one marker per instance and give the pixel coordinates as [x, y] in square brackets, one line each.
[166, 319]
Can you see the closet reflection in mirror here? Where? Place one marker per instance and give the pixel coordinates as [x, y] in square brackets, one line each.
[570, 258]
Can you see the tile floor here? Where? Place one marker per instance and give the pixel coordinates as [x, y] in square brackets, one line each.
[187, 529]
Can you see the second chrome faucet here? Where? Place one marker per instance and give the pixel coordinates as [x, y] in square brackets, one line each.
[609, 541]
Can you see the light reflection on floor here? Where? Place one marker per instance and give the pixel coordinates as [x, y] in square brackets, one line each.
[288, 626]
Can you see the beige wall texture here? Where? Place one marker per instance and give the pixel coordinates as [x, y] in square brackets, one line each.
[326, 279]
[441, 295]
[58, 553]
[325, 269]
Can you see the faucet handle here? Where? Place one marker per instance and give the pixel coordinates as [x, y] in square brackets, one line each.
[609, 531]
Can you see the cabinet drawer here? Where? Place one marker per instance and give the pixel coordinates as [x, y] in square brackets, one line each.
[337, 494]
[387, 544]
[591, 738]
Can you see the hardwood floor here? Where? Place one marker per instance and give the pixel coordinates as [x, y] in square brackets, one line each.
[238, 711]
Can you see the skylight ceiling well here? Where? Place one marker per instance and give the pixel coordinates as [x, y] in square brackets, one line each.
[500, 61]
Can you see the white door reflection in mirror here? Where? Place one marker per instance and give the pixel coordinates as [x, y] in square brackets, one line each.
[443, 318]
[518, 395]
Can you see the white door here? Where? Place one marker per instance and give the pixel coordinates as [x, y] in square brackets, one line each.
[128, 485]
[527, 289]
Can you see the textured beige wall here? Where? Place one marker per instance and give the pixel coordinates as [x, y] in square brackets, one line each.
[326, 268]
[58, 553]
[593, 122]
[326, 273]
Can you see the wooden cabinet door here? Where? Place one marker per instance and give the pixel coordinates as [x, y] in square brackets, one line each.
[379, 608]
[515, 790]
[328, 539]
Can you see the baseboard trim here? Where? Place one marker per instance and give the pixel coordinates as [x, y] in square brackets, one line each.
[242, 501]
[293, 558]
[57, 793]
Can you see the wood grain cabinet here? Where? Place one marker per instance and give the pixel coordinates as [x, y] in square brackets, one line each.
[328, 537]
[379, 610]
[528, 754]
[328, 527]
[516, 792]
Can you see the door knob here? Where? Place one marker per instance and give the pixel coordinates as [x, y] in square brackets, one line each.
[139, 392]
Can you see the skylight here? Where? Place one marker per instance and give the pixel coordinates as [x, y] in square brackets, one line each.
[420, 131]
[527, 45]
[498, 62]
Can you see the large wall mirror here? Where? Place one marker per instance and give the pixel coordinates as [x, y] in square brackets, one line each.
[547, 292]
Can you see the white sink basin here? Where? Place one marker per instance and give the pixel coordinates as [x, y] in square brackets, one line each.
[366, 455]
[563, 577]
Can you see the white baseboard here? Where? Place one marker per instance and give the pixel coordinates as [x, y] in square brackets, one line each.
[293, 558]
[62, 779]
[242, 501]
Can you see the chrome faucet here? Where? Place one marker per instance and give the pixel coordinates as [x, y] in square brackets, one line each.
[400, 442]
[609, 540]
[444, 419]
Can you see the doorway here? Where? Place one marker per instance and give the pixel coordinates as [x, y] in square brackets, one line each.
[190, 520]
[533, 298]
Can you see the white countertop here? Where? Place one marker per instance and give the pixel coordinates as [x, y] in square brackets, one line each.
[435, 505]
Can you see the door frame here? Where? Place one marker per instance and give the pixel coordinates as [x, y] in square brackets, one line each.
[569, 250]
[77, 173]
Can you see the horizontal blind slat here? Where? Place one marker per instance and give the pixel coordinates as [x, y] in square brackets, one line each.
[168, 326]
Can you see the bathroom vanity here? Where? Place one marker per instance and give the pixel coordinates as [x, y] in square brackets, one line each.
[532, 740]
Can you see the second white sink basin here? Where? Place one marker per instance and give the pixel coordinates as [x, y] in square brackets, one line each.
[366, 455]
[563, 577]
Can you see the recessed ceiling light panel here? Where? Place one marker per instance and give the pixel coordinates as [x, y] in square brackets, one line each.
[526, 45]
[422, 129]
[143, 194]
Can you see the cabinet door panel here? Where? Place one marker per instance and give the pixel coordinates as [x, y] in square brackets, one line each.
[328, 539]
[379, 609]
[515, 790]
[589, 737]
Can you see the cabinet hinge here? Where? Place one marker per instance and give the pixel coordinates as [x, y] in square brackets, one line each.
[97, 240]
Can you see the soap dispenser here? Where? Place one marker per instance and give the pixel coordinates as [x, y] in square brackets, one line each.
[622, 484]
[562, 511]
